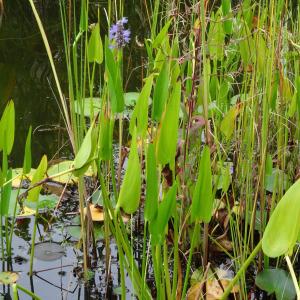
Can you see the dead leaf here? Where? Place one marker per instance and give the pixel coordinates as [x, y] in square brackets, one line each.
[214, 290]
[98, 214]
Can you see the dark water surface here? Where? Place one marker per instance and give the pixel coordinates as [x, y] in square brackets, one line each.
[26, 77]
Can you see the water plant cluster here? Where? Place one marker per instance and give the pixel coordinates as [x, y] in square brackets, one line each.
[195, 171]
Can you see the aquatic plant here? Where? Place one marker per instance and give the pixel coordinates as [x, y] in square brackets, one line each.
[118, 35]
[212, 143]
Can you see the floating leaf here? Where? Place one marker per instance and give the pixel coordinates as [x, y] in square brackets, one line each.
[276, 178]
[62, 167]
[8, 277]
[97, 213]
[88, 105]
[276, 281]
[17, 175]
[282, 230]
[26, 212]
[202, 202]
[95, 48]
[129, 197]
[131, 98]
[48, 251]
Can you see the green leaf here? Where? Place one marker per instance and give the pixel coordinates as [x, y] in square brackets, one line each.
[95, 47]
[276, 180]
[88, 105]
[161, 92]
[202, 202]
[168, 132]
[105, 137]
[140, 114]
[6, 192]
[33, 194]
[10, 129]
[151, 202]
[165, 210]
[83, 26]
[226, 10]
[131, 98]
[27, 156]
[228, 123]
[129, 197]
[7, 128]
[86, 150]
[62, 167]
[216, 37]
[278, 281]
[114, 81]
[162, 34]
[283, 227]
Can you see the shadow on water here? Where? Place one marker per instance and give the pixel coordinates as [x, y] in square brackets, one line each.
[25, 77]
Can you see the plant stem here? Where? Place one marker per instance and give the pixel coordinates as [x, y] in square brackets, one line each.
[241, 270]
[289, 263]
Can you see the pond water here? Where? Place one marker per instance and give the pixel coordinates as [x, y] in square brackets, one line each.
[25, 77]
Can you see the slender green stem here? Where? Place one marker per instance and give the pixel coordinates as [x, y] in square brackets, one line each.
[241, 271]
[292, 272]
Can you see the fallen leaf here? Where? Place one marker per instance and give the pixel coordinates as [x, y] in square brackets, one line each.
[98, 214]
[8, 277]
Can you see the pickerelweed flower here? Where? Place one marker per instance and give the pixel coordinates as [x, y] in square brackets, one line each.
[118, 35]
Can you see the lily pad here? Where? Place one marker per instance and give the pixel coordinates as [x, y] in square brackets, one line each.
[26, 212]
[17, 174]
[276, 281]
[61, 167]
[75, 232]
[89, 104]
[131, 98]
[8, 277]
[275, 179]
[48, 251]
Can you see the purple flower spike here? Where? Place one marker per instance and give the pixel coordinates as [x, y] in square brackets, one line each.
[118, 35]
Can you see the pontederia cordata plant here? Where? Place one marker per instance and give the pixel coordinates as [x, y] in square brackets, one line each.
[201, 156]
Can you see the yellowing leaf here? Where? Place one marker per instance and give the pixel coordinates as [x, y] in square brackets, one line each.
[98, 214]
[26, 212]
[61, 167]
[228, 123]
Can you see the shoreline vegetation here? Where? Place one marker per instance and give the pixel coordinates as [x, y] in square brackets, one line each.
[192, 175]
